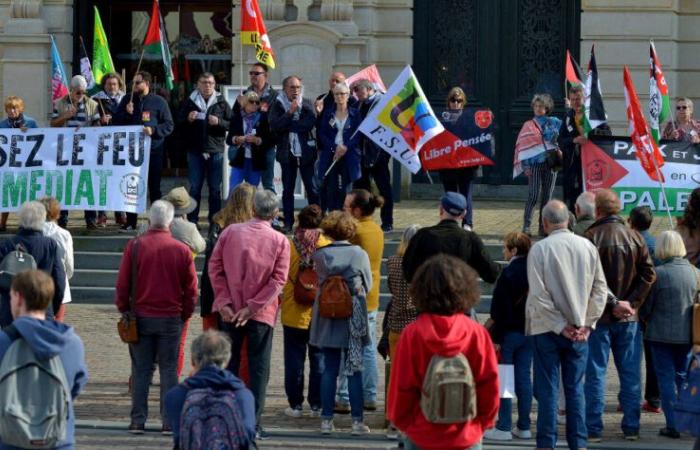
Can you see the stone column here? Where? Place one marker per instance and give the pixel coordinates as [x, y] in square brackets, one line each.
[25, 66]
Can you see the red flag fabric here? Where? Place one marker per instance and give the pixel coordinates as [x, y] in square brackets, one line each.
[646, 149]
[253, 32]
[573, 71]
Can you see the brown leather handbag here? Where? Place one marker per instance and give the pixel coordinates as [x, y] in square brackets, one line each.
[335, 300]
[306, 286]
[128, 332]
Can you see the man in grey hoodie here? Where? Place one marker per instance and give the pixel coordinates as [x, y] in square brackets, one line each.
[30, 296]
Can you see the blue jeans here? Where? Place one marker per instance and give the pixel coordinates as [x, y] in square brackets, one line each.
[408, 445]
[199, 168]
[289, 181]
[516, 349]
[159, 339]
[552, 351]
[370, 374]
[671, 363]
[241, 174]
[268, 175]
[625, 340]
[331, 369]
[296, 344]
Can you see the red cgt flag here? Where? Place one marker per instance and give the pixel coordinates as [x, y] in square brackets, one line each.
[647, 151]
[253, 32]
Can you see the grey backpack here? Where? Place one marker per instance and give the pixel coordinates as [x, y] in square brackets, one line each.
[34, 397]
[449, 392]
[13, 263]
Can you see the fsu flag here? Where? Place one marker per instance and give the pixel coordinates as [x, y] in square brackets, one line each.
[156, 43]
[645, 147]
[253, 32]
[659, 103]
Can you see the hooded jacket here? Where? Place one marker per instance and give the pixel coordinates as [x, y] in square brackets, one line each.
[217, 379]
[430, 335]
[48, 338]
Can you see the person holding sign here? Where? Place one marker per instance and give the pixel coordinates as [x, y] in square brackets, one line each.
[145, 108]
[684, 128]
[14, 108]
[77, 110]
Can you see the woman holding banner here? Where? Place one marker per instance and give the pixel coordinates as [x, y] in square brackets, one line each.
[536, 140]
[458, 180]
[14, 108]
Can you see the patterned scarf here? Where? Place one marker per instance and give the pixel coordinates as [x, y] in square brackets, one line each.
[17, 122]
[305, 241]
[357, 326]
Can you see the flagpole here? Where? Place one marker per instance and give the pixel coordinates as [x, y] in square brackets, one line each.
[138, 69]
[663, 191]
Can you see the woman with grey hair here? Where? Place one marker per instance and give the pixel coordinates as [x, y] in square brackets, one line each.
[537, 138]
[211, 352]
[684, 128]
[668, 315]
[249, 138]
[45, 251]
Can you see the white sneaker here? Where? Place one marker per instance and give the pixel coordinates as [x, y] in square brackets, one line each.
[521, 434]
[494, 434]
[359, 428]
[293, 412]
[327, 426]
[392, 433]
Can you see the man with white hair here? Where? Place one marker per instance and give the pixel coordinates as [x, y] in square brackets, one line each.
[165, 294]
[74, 110]
[248, 269]
[567, 296]
[585, 212]
[45, 251]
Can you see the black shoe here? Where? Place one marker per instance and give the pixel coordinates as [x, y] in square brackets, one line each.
[387, 228]
[669, 433]
[594, 438]
[91, 225]
[631, 435]
[127, 228]
[166, 430]
[261, 435]
[135, 428]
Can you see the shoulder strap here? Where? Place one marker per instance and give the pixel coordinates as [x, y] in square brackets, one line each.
[12, 332]
[134, 272]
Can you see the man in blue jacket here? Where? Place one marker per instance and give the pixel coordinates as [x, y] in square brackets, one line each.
[31, 295]
[211, 353]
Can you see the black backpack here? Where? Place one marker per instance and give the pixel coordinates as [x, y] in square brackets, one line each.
[13, 263]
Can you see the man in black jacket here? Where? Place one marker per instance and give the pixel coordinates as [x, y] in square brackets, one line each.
[152, 111]
[375, 161]
[205, 117]
[448, 237]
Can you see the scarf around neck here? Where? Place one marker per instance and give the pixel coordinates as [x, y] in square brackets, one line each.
[294, 142]
[18, 122]
[202, 104]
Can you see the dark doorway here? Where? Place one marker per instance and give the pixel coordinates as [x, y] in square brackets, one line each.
[500, 52]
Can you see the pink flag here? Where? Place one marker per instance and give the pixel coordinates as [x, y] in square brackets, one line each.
[368, 73]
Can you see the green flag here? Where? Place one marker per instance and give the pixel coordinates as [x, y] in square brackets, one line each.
[101, 59]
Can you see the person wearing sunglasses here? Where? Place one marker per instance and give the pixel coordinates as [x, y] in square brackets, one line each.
[74, 110]
[267, 94]
[459, 180]
[684, 128]
[204, 118]
[249, 138]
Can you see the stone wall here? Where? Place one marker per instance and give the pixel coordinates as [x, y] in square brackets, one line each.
[621, 29]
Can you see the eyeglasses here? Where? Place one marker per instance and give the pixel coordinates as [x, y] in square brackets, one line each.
[207, 82]
[254, 102]
[294, 87]
[456, 100]
[682, 107]
[254, 74]
[341, 94]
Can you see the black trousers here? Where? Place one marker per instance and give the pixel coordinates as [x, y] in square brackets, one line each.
[382, 178]
[155, 171]
[573, 178]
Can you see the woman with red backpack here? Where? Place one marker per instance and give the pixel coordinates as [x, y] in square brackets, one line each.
[443, 391]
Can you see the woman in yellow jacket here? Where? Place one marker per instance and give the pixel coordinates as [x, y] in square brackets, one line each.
[296, 319]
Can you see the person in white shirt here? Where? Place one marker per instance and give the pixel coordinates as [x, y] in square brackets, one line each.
[65, 242]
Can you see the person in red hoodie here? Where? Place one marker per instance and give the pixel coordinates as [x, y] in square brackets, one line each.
[443, 288]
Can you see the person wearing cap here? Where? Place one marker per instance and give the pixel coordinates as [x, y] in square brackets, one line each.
[449, 237]
[75, 110]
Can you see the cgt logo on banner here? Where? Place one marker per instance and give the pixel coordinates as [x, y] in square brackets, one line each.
[101, 168]
[402, 121]
[611, 163]
[466, 142]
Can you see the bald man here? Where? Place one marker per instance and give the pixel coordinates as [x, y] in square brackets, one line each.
[326, 100]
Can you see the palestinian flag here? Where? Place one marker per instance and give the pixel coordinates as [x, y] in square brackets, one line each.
[594, 111]
[156, 42]
[101, 58]
[646, 149]
[573, 74]
[659, 102]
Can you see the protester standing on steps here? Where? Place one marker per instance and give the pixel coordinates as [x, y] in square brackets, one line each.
[165, 297]
[249, 139]
[204, 118]
[444, 287]
[684, 128]
[296, 317]
[14, 108]
[668, 316]
[508, 334]
[342, 340]
[143, 107]
[65, 242]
